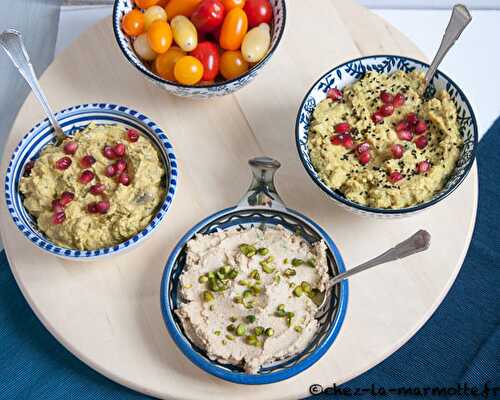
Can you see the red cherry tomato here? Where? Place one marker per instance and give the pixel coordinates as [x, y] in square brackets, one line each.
[208, 16]
[208, 54]
[258, 11]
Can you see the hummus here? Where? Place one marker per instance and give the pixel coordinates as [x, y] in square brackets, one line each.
[412, 144]
[85, 197]
[248, 294]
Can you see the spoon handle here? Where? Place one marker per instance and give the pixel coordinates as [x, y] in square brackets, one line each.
[418, 242]
[460, 18]
[12, 42]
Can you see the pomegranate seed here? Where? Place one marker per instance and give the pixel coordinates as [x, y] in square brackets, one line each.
[395, 176]
[397, 151]
[386, 97]
[377, 117]
[421, 141]
[63, 163]
[399, 100]
[66, 198]
[110, 171]
[386, 110]
[365, 157]
[92, 207]
[347, 141]
[57, 206]
[405, 135]
[97, 189]
[423, 167]
[70, 147]
[420, 127]
[86, 177]
[87, 161]
[102, 207]
[108, 152]
[120, 166]
[124, 179]
[343, 127]
[120, 149]
[28, 167]
[337, 139]
[334, 94]
[412, 118]
[401, 125]
[363, 148]
[58, 217]
[132, 135]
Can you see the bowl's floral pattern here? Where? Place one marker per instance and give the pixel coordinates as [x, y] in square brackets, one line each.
[351, 71]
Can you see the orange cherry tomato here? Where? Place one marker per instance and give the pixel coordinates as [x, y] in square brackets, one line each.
[145, 3]
[181, 7]
[165, 63]
[160, 36]
[188, 70]
[234, 29]
[133, 23]
[230, 4]
[232, 64]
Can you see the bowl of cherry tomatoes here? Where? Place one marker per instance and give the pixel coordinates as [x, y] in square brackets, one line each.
[199, 48]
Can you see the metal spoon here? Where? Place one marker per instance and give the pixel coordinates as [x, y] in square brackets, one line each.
[12, 42]
[460, 18]
[418, 242]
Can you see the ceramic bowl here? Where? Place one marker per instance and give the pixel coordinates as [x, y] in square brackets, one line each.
[352, 71]
[71, 120]
[122, 7]
[261, 206]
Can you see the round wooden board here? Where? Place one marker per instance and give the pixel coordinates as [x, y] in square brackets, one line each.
[108, 313]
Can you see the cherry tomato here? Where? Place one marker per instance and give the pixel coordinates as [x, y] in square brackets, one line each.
[208, 16]
[185, 34]
[258, 11]
[152, 14]
[256, 43]
[230, 4]
[208, 54]
[232, 64]
[188, 70]
[160, 36]
[133, 23]
[145, 3]
[162, 3]
[181, 7]
[165, 63]
[143, 49]
[234, 29]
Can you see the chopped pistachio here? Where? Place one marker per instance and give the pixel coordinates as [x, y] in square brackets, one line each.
[263, 251]
[259, 330]
[229, 337]
[217, 333]
[232, 274]
[297, 329]
[311, 263]
[247, 293]
[306, 287]
[251, 319]
[281, 307]
[267, 268]
[298, 291]
[280, 313]
[226, 269]
[187, 286]
[207, 296]
[289, 272]
[230, 328]
[203, 279]
[251, 340]
[276, 279]
[256, 290]
[220, 275]
[296, 262]
[224, 342]
[254, 274]
[249, 305]
[238, 300]
[285, 261]
[233, 319]
[250, 254]
[269, 332]
[240, 330]
[244, 282]
[211, 308]
[211, 274]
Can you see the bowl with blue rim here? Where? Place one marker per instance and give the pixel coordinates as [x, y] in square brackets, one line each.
[71, 120]
[350, 72]
[222, 88]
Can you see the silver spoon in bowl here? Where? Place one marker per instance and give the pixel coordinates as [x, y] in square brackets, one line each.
[12, 42]
[419, 241]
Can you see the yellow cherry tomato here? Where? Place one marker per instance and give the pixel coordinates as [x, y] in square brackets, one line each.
[188, 70]
[152, 14]
[256, 43]
[230, 4]
[181, 7]
[165, 63]
[145, 3]
[160, 36]
[234, 29]
[143, 49]
[133, 23]
[185, 34]
[232, 64]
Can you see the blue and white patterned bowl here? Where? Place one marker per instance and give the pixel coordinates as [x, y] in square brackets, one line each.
[121, 7]
[353, 70]
[71, 120]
